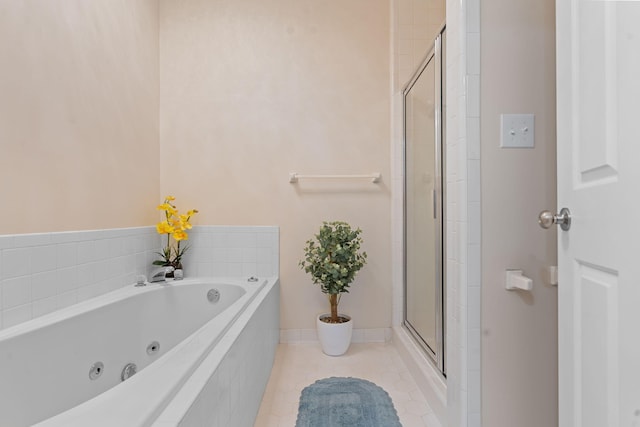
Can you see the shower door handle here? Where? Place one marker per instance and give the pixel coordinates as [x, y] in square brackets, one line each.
[546, 219]
[435, 204]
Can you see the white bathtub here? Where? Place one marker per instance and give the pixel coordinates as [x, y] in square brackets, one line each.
[45, 363]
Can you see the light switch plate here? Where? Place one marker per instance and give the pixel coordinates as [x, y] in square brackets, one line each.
[517, 130]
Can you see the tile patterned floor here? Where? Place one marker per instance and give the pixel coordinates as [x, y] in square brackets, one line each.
[298, 365]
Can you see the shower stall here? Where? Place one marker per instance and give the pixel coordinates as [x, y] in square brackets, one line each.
[424, 202]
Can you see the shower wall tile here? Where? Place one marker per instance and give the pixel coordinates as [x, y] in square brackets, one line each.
[473, 17]
[473, 54]
[473, 138]
[464, 198]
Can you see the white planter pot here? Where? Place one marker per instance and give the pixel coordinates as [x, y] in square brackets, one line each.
[334, 337]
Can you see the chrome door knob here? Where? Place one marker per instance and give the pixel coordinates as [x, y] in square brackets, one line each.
[546, 219]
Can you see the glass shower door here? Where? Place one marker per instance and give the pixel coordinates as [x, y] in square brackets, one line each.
[424, 295]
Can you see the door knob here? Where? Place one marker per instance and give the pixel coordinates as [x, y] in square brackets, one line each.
[546, 219]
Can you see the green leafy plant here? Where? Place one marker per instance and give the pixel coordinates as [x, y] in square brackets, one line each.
[333, 258]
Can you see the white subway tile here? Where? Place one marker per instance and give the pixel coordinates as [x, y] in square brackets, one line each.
[473, 96]
[234, 269]
[204, 270]
[220, 269]
[474, 419]
[264, 270]
[16, 315]
[263, 255]
[474, 262]
[249, 269]
[102, 270]
[473, 53]
[474, 224]
[15, 262]
[66, 280]
[116, 247]
[86, 252]
[66, 299]
[473, 138]
[43, 285]
[6, 242]
[40, 307]
[473, 16]
[219, 239]
[29, 240]
[43, 258]
[473, 304]
[234, 255]
[249, 255]
[101, 249]
[91, 291]
[247, 239]
[16, 291]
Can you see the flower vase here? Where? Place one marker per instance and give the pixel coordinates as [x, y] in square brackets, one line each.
[177, 272]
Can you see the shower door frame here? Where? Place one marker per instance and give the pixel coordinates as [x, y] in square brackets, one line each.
[436, 53]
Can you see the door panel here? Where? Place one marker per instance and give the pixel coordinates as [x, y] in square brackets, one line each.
[423, 203]
[598, 106]
[421, 220]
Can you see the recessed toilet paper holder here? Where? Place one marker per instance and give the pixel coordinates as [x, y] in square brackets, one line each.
[516, 280]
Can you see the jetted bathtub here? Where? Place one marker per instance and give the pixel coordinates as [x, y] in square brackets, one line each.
[202, 350]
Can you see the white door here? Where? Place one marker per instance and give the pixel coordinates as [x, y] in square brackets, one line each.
[598, 107]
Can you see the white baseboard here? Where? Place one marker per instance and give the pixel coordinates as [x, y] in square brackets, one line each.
[359, 335]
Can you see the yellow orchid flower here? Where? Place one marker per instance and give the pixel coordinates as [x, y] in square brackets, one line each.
[164, 228]
[175, 225]
[180, 235]
[184, 222]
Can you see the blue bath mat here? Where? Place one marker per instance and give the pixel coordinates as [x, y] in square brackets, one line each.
[346, 402]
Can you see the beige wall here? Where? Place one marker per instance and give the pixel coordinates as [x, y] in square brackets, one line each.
[519, 329]
[251, 90]
[78, 114]
[417, 23]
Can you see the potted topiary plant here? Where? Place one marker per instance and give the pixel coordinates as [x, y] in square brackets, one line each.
[332, 259]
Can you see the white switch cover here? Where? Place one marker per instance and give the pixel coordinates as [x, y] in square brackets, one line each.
[517, 130]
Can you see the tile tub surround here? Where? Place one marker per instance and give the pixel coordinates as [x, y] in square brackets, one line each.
[233, 251]
[44, 272]
[227, 388]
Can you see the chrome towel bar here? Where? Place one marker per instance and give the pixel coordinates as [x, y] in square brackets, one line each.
[374, 177]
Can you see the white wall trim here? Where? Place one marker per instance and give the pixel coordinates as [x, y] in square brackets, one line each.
[290, 336]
